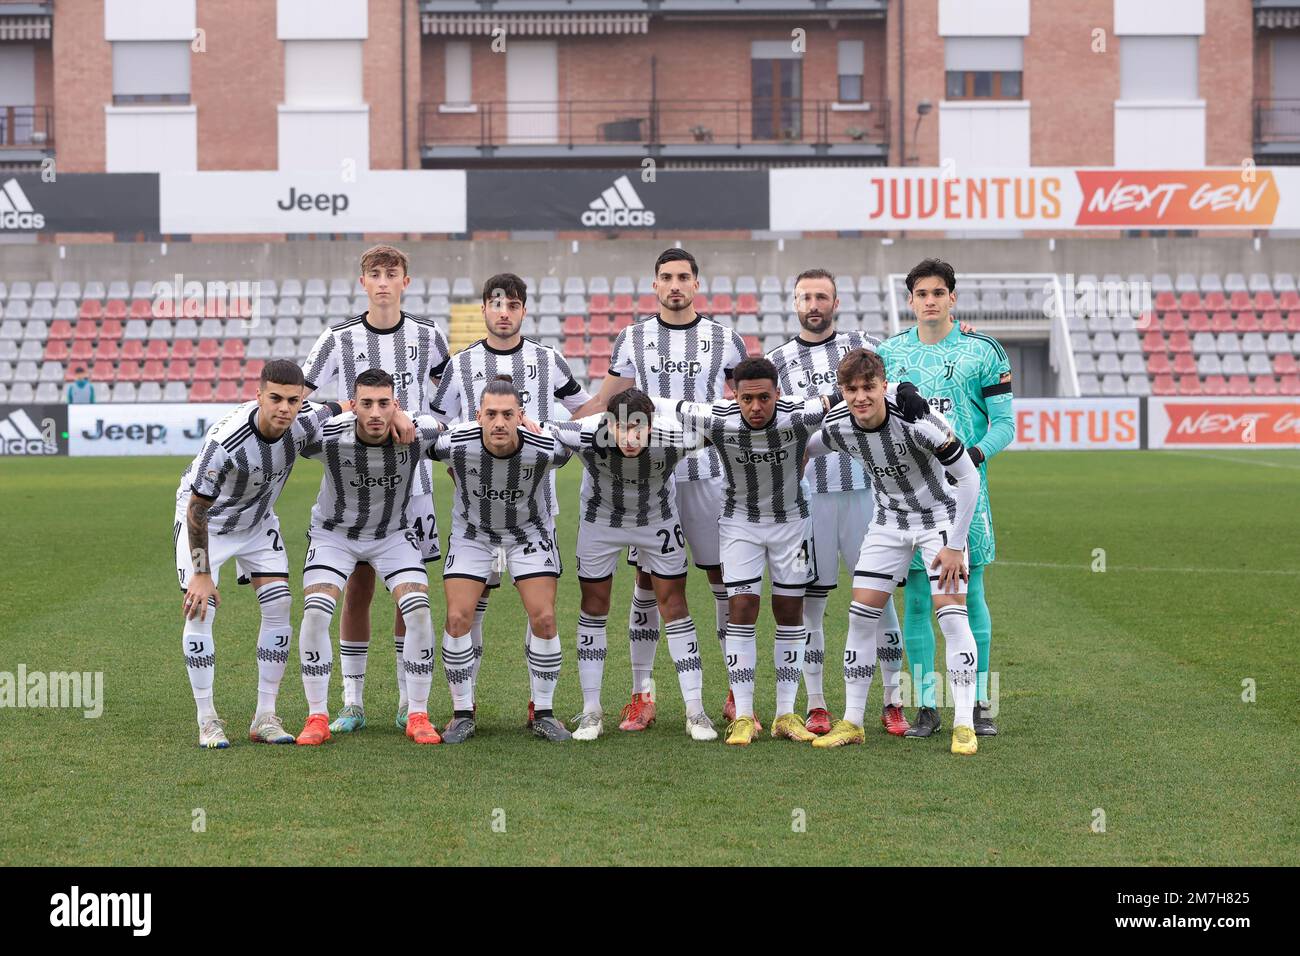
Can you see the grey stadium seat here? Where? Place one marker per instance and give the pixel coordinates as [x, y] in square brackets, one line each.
[1139, 386]
[29, 351]
[52, 372]
[1088, 385]
[123, 392]
[149, 392]
[176, 392]
[6, 372]
[22, 393]
[47, 393]
[1234, 282]
[1258, 282]
[1209, 364]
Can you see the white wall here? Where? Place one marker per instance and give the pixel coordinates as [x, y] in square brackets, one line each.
[322, 139]
[149, 19]
[979, 18]
[1160, 17]
[988, 134]
[1159, 134]
[150, 139]
[321, 20]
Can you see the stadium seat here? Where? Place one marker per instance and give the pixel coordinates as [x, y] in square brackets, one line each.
[601, 303]
[578, 369]
[598, 368]
[1239, 385]
[47, 393]
[752, 344]
[1289, 385]
[128, 371]
[175, 392]
[1189, 302]
[31, 350]
[574, 325]
[1239, 300]
[1113, 385]
[575, 346]
[149, 391]
[22, 393]
[178, 371]
[182, 349]
[1270, 322]
[1173, 322]
[1227, 343]
[1235, 364]
[1166, 301]
[1277, 343]
[56, 350]
[598, 284]
[81, 351]
[253, 369]
[722, 304]
[1214, 385]
[153, 370]
[207, 349]
[1089, 385]
[54, 372]
[85, 331]
[202, 391]
[6, 372]
[1285, 364]
[1265, 301]
[90, 309]
[1085, 364]
[621, 322]
[748, 325]
[1265, 385]
[1132, 364]
[646, 303]
[1209, 363]
[1189, 385]
[44, 290]
[9, 350]
[1214, 301]
[1293, 321]
[1163, 385]
[600, 325]
[601, 349]
[106, 350]
[226, 392]
[1184, 364]
[123, 392]
[1138, 385]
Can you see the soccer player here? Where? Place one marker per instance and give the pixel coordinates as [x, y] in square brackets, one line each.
[915, 510]
[967, 377]
[761, 441]
[414, 351]
[362, 514]
[540, 374]
[501, 506]
[225, 508]
[627, 501]
[676, 353]
[840, 496]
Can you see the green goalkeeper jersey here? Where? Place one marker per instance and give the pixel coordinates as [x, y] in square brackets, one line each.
[965, 375]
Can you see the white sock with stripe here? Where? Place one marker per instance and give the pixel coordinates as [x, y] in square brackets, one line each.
[684, 646]
[593, 645]
[399, 650]
[273, 639]
[643, 638]
[722, 612]
[859, 660]
[814, 614]
[417, 652]
[742, 658]
[787, 655]
[543, 670]
[352, 658]
[458, 666]
[201, 660]
[315, 653]
[889, 655]
[476, 635]
[959, 643]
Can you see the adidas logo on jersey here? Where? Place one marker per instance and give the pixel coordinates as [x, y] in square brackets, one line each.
[16, 211]
[619, 205]
[549, 563]
[20, 436]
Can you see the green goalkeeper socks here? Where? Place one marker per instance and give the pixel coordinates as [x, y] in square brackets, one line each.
[918, 637]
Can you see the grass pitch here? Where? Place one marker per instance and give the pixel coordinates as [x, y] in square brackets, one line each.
[1121, 693]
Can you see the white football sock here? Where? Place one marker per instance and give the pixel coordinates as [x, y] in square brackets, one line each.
[200, 661]
[643, 638]
[787, 655]
[722, 611]
[315, 653]
[543, 669]
[592, 647]
[859, 659]
[742, 656]
[458, 666]
[814, 614]
[476, 635]
[684, 646]
[399, 645]
[959, 643]
[889, 655]
[417, 654]
[273, 639]
[352, 657]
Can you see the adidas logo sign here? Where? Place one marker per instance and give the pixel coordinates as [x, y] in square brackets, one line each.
[619, 205]
[549, 563]
[20, 436]
[16, 210]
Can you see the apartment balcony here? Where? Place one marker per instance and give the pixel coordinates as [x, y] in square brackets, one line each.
[1277, 131]
[26, 134]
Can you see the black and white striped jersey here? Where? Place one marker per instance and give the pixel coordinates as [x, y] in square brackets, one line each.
[687, 362]
[414, 352]
[366, 488]
[539, 372]
[618, 491]
[806, 369]
[241, 472]
[500, 500]
[762, 465]
[905, 461]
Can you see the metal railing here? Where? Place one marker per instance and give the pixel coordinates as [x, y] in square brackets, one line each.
[704, 122]
[1277, 121]
[26, 126]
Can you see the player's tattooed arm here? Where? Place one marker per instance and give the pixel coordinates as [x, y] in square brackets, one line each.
[201, 587]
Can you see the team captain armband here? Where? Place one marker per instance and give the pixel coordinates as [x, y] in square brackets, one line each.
[949, 453]
[1003, 387]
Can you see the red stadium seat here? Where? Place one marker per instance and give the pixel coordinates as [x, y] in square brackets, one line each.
[722, 304]
[1289, 385]
[1158, 364]
[81, 351]
[205, 370]
[746, 303]
[623, 303]
[141, 309]
[575, 346]
[600, 325]
[202, 391]
[107, 351]
[1239, 300]
[1147, 321]
[1292, 321]
[1173, 322]
[111, 329]
[1285, 364]
[1247, 322]
[158, 349]
[253, 369]
[1289, 300]
[226, 392]
[153, 371]
[232, 349]
[1165, 301]
[752, 345]
[601, 349]
[1200, 322]
[1179, 342]
[1222, 322]
[248, 392]
[622, 321]
[90, 309]
[60, 329]
[598, 368]
[128, 372]
[1189, 385]
[1272, 322]
[1153, 342]
[133, 350]
[183, 349]
[1163, 385]
[1266, 385]
[103, 372]
[1265, 301]
[574, 325]
[1184, 364]
[208, 349]
[162, 309]
[1190, 302]
[56, 350]
[599, 303]
[86, 330]
[231, 370]
[1239, 385]
[1214, 301]
[647, 304]
[178, 371]
[115, 309]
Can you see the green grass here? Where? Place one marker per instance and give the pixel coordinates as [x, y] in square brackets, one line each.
[1119, 690]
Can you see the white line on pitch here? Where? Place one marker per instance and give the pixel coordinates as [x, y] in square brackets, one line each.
[1243, 461]
[1133, 567]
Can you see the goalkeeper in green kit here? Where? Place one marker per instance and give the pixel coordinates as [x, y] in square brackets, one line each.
[965, 376]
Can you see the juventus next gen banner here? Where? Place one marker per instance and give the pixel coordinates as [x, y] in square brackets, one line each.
[1061, 199]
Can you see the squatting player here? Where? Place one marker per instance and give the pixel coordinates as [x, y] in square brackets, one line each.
[840, 498]
[414, 351]
[680, 354]
[225, 508]
[915, 510]
[967, 377]
[362, 514]
[627, 501]
[501, 506]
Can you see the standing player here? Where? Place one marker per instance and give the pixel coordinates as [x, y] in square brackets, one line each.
[680, 354]
[225, 508]
[764, 522]
[361, 514]
[501, 506]
[840, 496]
[414, 352]
[540, 374]
[915, 510]
[967, 377]
[627, 501]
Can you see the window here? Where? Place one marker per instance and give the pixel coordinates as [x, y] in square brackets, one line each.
[987, 68]
[458, 75]
[1158, 68]
[776, 91]
[322, 73]
[151, 71]
[851, 58]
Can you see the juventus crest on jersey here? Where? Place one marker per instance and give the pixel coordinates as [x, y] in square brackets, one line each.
[687, 362]
[762, 465]
[617, 490]
[414, 352]
[500, 499]
[539, 373]
[243, 472]
[366, 488]
[806, 369]
[906, 462]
